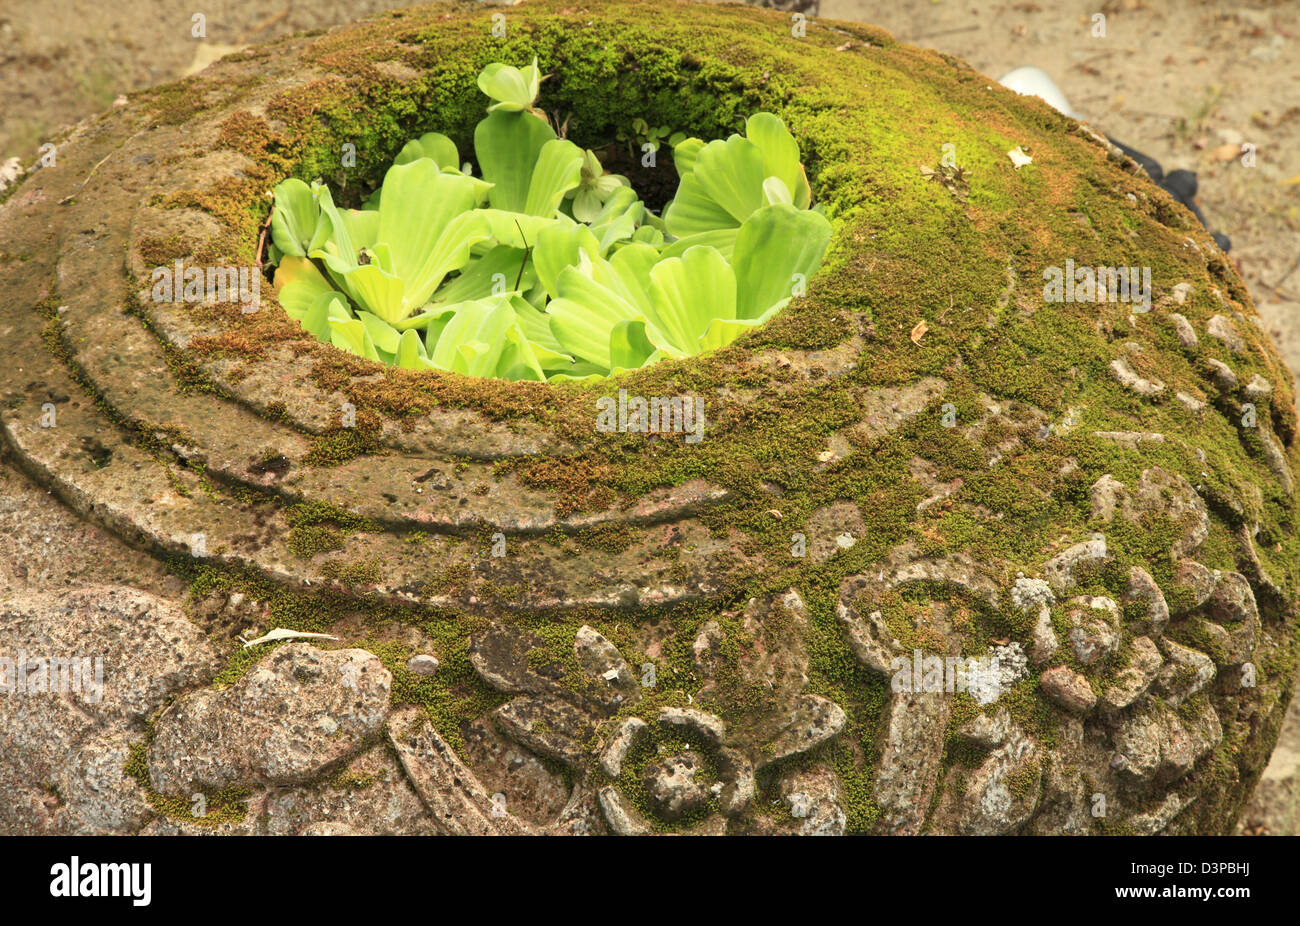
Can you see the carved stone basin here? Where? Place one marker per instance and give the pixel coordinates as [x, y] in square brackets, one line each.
[1082, 513]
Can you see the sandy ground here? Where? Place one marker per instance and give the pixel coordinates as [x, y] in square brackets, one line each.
[1185, 81]
[64, 60]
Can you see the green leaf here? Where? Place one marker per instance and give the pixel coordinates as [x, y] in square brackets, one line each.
[316, 319]
[493, 274]
[629, 348]
[423, 220]
[579, 372]
[595, 189]
[425, 318]
[648, 234]
[632, 264]
[586, 205]
[722, 331]
[507, 146]
[724, 182]
[775, 191]
[363, 227]
[780, 155]
[473, 340]
[517, 229]
[482, 189]
[513, 89]
[410, 352]
[558, 170]
[557, 246]
[298, 285]
[335, 307]
[518, 358]
[350, 335]
[626, 274]
[498, 277]
[332, 232]
[384, 336]
[617, 220]
[724, 239]
[731, 174]
[433, 332]
[684, 154]
[380, 292]
[687, 293]
[434, 145]
[294, 217]
[694, 211]
[587, 310]
[333, 245]
[775, 247]
[537, 326]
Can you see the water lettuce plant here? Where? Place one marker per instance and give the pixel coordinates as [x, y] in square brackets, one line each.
[545, 266]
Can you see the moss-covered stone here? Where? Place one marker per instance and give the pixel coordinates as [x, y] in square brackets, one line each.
[395, 490]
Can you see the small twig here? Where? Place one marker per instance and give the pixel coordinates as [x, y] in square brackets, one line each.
[1278, 285]
[264, 24]
[261, 238]
[930, 35]
[67, 199]
[527, 250]
[95, 168]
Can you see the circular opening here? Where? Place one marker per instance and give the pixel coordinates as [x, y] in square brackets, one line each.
[521, 256]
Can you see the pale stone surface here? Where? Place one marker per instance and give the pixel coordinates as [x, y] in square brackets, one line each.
[67, 733]
[295, 714]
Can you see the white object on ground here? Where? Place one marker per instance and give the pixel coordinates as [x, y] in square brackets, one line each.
[1018, 158]
[1029, 81]
[280, 633]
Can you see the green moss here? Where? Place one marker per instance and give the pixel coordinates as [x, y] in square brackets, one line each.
[370, 572]
[311, 539]
[318, 527]
[1023, 782]
[339, 446]
[347, 780]
[217, 807]
[657, 745]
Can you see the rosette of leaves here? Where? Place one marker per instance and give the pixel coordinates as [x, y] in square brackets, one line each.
[511, 89]
[595, 188]
[640, 306]
[546, 266]
[723, 183]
